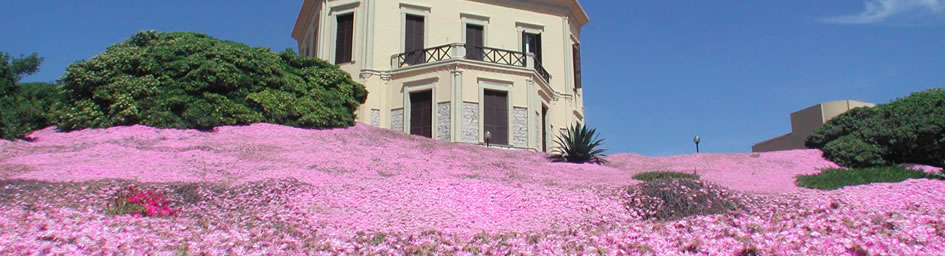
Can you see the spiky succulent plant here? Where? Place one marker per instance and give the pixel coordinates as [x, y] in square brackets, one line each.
[579, 145]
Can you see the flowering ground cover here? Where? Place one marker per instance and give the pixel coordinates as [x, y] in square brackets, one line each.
[267, 189]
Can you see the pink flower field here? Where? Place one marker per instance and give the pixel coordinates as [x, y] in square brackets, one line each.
[266, 189]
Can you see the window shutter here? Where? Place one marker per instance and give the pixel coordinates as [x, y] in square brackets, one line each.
[474, 42]
[538, 47]
[524, 42]
[413, 39]
[344, 39]
[577, 66]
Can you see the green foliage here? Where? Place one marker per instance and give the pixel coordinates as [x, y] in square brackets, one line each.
[853, 152]
[648, 176]
[190, 80]
[579, 145]
[24, 107]
[906, 130]
[672, 199]
[13, 69]
[830, 179]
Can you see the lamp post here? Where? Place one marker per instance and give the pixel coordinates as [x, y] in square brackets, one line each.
[488, 137]
[696, 140]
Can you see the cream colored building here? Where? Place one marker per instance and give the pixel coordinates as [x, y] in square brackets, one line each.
[454, 69]
[804, 122]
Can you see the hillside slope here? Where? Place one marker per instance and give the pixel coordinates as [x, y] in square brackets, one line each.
[268, 188]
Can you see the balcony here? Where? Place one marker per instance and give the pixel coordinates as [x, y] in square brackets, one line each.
[473, 53]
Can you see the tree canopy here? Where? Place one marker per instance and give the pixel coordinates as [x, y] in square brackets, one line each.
[191, 80]
[906, 130]
[24, 107]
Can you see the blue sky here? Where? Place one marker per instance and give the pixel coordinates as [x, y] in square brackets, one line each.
[656, 72]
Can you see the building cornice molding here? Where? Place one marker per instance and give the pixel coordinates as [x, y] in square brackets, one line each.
[572, 8]
[308, 6]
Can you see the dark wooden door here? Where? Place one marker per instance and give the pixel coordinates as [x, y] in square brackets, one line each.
[496, 113]
[421, 113]
[344, 38]
[413, 40]
[474, 42]
[544, 132]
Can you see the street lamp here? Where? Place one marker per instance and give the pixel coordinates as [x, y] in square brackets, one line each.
[696, 140]
[488, 137]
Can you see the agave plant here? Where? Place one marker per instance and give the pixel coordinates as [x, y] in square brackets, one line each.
[579, 145]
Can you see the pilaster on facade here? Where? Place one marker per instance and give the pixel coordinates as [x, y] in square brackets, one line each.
[456, 102]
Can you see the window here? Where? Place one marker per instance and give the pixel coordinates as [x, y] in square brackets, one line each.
[413, 39]
[531, 43]
[576, 53]
[474, 42]
[344, 38]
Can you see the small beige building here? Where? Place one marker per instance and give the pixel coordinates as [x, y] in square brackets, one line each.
[456, 69]
[804, 122]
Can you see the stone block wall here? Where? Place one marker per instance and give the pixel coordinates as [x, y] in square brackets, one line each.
[519, 127]
[470, 122]
[376, 117]
[397, 119]
[443, 121]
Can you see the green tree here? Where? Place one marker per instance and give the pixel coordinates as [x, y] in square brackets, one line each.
[13, 69]
[191, 80]
[23, 107]
[906, 130]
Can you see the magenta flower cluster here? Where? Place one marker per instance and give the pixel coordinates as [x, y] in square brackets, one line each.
[141, 203]
[273, 190]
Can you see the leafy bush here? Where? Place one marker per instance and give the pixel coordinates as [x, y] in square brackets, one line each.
[24, 107]
[579, 145]
[191, 80]
[648, 176]
[830, 179]
[906, 130]
[671, 199]
[853, 152]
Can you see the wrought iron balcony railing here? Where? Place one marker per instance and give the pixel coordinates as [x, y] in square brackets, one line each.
[477, 53]
[495, 55]
[427, 55]
[541, 71]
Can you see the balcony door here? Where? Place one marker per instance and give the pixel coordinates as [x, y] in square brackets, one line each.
[413, 39]
[496, 115]
[531, 43]
[474, 42]
[421, 113]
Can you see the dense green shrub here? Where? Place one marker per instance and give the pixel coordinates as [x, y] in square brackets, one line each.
[26, 110]
[851, 151]
[671, 199]
[24, 107]
[830, 179]
[579, 145]
[648, 176]
[190, 80]
[906, 130]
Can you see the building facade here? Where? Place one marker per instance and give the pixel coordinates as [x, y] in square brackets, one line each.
[804, 121]
[456, 70]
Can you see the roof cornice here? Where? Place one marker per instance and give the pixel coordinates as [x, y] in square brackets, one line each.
[304, 18]
[575, 11]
